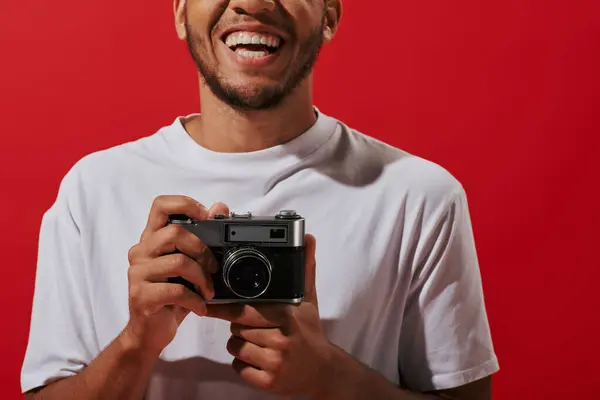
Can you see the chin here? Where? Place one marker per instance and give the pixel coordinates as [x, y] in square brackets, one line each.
[256, 79]
[262, 100]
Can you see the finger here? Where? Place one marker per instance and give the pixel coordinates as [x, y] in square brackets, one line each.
[180, 314]
[259, 357]
[271, 338]
[310, 270]
[254, 316]
[171, 239]
[218, 208]
[174, 265]
[262, 380]
[152, 297]
[163, 206]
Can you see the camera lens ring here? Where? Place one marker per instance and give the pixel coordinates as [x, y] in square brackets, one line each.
[234, 256]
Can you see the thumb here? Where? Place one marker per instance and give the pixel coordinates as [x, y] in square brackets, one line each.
[310, 270]
[218, 208]
[180, 314]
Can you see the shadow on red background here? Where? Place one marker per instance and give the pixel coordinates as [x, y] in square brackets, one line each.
[505, 95]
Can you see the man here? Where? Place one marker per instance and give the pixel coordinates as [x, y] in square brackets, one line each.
[393, 306]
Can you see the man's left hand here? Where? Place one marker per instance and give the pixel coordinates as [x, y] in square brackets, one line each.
[281, 348]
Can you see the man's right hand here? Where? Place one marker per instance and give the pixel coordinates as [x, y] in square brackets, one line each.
[156, 306]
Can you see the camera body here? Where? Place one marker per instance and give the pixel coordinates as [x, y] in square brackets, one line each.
[260, 258]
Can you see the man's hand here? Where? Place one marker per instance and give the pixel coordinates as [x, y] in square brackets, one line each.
[157, 307]
[280, 348]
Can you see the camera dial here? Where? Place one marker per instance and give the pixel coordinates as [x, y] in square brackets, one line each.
[243, 215]
[287, 214]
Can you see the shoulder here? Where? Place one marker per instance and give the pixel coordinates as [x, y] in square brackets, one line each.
[95, 174]
[399, 173]
[102, 165]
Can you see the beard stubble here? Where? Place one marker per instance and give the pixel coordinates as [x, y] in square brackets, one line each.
[255, 96]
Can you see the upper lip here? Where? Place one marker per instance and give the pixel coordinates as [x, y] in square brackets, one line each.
[258, 28]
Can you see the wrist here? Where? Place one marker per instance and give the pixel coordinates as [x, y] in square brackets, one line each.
[341, 376]
[131, 345]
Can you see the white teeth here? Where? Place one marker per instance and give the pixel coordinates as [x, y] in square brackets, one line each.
[252, 54]
[237, 38]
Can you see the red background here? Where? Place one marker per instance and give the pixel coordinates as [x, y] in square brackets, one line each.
[505, 95]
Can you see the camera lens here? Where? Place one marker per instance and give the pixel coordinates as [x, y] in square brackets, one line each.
[247, 272]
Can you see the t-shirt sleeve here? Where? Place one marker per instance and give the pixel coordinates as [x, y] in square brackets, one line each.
[61, 338]
[445, 339]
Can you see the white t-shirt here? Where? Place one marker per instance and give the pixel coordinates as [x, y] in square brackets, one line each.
[398, 278]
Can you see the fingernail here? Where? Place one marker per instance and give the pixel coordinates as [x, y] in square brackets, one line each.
[211, 293]
[202, 206]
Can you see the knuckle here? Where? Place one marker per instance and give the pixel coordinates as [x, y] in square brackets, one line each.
[163, 291]
[147, 312]
[131, 274]
[178, 262]
[280, 342]
[158, 201]
[268, 382]
[178, 291]
[173, 231]
[173, 235]
[132, 254]
[276, 361]
[135, 292]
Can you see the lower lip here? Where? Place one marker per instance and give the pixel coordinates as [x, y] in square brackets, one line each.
[250, 61]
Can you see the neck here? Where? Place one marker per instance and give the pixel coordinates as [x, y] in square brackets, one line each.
[223, 129]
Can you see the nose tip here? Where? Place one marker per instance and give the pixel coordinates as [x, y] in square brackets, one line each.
[250, 7]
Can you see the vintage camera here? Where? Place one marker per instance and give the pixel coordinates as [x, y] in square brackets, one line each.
[260, 258]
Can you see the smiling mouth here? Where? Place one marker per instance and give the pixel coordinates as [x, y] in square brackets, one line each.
[253, 44]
